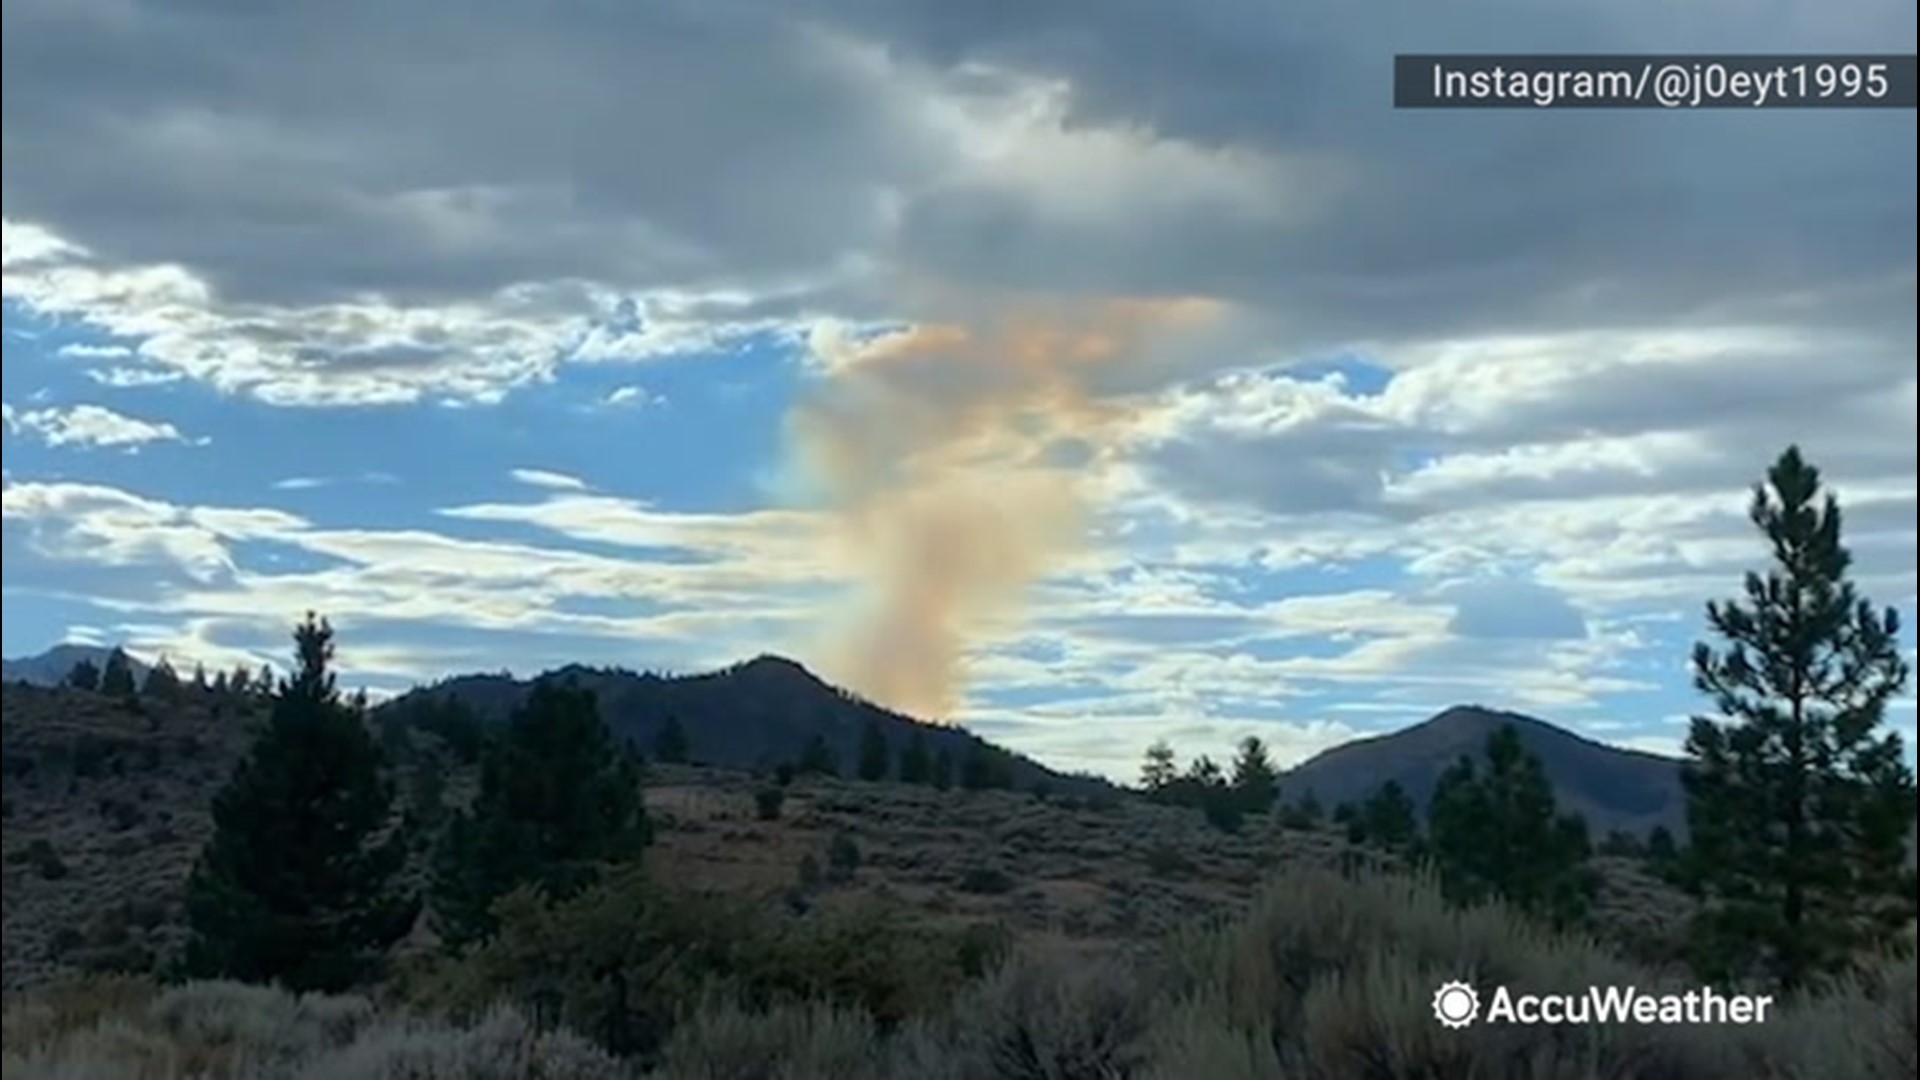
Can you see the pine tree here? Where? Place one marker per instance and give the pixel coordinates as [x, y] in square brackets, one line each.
[916, 762]
[976, 772]
[240, 683]
[162, 683]
[1501, 835]
[1158, 771]
[84, 676]
[200, 678]
[1799, 805]
[1387, 820]
[1256, 783]
[558, 802]
[297, 884]
[670, 745]
[817, 758]
[117, 677]
[873, 753]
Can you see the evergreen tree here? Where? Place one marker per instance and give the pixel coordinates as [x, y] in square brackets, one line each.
[873, 753]
[1502, 835]
[297, 884]
[943, 769]
[1660, 845]
[1387, 820]
[117, 677]
[558, 801]
[670, 745]
[162, 683]
[984, 767]
[263, 684]
[240, 683]
[1158, 771]
[818, 758]
[916, 761]
[200, 678]
[84, 676]
[1799, 805]
[1303, 813]
[1256, 783]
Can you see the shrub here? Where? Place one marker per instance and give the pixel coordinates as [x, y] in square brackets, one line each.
[985, 881]
[626, 961]
[767, 803]
[843, 858]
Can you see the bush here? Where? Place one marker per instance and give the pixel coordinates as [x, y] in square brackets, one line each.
[767, 803]
[985, 881]
[843, 858]
[40, 855]
[626, 961]
[118, 1028]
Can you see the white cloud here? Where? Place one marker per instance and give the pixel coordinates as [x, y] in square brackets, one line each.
[90, 426]
[544, 479]
[631, 397]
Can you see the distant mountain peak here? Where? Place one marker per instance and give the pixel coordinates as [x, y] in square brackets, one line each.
[51, 668]
[1613, 787]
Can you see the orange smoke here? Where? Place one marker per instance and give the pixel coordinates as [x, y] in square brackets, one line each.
[957, 456]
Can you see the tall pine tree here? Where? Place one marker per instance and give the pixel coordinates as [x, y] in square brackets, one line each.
[298, 883]
[1799, 805]
[558, 801]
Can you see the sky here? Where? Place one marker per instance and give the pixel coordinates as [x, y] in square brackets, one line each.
[1085, 372]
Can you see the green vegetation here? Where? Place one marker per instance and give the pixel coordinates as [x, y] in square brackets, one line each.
[569, 949]
[1800, 806]
[1320, 977]
[558, 801]
[1501, 835]
[670, 745]
[298, 884]
[874, 756]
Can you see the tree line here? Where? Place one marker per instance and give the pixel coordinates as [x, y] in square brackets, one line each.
[1800, 807]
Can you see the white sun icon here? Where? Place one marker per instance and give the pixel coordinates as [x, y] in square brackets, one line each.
[1455, 1004]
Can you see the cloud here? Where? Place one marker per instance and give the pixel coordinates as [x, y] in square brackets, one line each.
[1541, 347]
[90, 426]
[311, 483]
[632, 397]
[552, 480]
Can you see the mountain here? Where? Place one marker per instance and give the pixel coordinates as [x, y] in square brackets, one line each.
[753, 715]
[1611, 787]
[51, 668]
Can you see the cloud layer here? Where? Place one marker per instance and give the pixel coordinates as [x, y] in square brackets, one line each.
[1472, 413]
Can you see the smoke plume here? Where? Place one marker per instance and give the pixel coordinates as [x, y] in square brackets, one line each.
[957, 456]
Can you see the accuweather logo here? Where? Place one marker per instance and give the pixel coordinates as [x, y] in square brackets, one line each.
[1457, 1005]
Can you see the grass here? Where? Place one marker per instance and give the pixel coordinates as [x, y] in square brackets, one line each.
[1323, 977]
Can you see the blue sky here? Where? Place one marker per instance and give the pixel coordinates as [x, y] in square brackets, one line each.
[1086, 395]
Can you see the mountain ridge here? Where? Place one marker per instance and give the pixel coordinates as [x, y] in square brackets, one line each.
[51, 666]
[1612, 787]
[755, 714]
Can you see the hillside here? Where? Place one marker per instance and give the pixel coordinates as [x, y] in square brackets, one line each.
[751, 716]
[118, 793]
[1612, 788]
